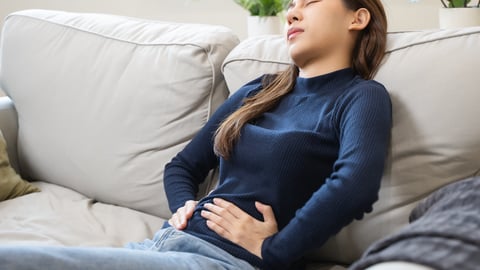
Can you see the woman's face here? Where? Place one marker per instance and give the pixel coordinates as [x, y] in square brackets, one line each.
[318, 32]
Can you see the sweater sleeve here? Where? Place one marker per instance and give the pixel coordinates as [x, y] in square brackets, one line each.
[189, 168]
[363, 122]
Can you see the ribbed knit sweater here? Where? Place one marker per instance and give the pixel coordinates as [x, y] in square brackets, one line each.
[317, 158]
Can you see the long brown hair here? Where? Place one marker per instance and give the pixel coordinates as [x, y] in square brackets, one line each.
[367, 54]
[371, 42]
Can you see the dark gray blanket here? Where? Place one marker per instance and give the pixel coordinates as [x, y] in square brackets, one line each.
[444, 232]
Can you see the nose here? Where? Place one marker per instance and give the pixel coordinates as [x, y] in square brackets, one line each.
[293, 14]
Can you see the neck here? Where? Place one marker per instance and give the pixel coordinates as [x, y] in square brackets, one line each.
[317, 67]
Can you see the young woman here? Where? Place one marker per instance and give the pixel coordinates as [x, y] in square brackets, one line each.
[300, 153]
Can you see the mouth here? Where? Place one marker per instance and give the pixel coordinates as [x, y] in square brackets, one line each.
[293, 32]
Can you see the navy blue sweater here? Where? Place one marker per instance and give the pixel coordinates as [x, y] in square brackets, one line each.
[316, 158]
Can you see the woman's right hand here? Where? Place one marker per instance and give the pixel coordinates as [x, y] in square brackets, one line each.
[180, 218]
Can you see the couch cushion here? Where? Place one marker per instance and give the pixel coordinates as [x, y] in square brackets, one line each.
[105, 101]
[60, 216]
[432, 77]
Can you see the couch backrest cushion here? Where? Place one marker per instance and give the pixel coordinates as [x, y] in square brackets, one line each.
[104, 102]
[433, 79]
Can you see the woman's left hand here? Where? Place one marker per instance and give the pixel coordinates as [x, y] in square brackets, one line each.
[232, 223]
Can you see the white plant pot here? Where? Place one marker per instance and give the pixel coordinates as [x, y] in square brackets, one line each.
[450, 18]
[270, 25]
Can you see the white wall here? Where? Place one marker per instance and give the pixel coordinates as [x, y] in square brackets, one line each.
[403, 15]
[223, 12]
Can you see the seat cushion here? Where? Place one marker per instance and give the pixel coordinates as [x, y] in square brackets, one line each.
[63, 217]
[104, 102]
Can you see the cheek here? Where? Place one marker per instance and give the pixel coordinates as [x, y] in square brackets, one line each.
[326, 37]
[330, 25]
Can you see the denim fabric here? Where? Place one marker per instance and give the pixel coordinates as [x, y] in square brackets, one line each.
[169, 249]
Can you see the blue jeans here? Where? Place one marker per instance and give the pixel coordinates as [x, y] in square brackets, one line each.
[169, 249]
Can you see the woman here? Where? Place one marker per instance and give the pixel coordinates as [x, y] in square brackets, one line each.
[300, 153]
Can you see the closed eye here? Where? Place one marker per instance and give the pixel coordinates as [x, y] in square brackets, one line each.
[311, 2]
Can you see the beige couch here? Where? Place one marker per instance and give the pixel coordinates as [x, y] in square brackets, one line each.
[98, 104]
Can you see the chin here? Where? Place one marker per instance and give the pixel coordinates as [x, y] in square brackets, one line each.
[296, 55]
[293, 51]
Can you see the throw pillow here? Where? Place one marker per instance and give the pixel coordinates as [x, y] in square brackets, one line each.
[11, 184]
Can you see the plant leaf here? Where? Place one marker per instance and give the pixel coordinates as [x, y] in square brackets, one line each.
[457, 3]
[263, 7]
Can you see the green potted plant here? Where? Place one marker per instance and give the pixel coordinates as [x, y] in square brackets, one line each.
[458, 14]
[457, 3]
[263, 8]
[263, 15]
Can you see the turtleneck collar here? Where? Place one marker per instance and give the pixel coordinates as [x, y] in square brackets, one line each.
[333, 80]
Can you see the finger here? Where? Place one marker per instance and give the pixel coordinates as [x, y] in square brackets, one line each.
[220, 212]
[230, 207]
[218, 229]
[219, 222]
[181, 217]
[190, 207]
[266, 211]
[173, 221]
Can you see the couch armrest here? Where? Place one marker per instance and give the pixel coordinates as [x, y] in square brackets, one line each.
[9, 128]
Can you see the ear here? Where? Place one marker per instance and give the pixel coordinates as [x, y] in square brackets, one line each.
[361, 18]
